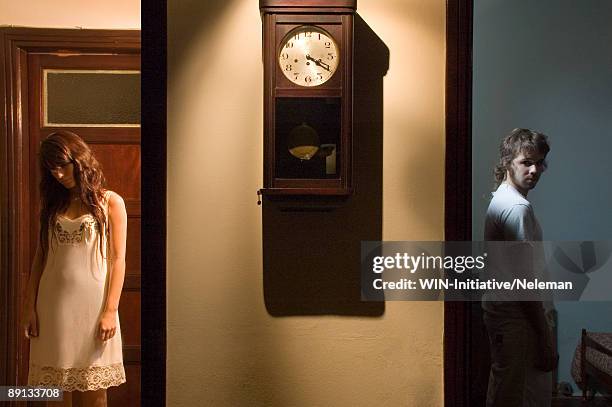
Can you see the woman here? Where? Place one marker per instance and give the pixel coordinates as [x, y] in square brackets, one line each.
[70, 313]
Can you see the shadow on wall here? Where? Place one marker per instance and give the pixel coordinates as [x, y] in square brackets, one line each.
[311, 257]
[188, 20]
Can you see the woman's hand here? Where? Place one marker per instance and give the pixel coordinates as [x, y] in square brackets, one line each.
[29, 323]
[107, 325]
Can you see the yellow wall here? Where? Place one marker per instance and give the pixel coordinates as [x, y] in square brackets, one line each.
[224, 349]
[109, 14]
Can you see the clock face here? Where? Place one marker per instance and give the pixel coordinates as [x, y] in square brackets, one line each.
[308, 56]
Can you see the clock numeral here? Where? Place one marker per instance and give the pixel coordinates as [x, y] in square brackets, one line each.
[330, 56]
[284, 55]
[320, 76]
[308, 79]
[296, 74]
[319, 36]
[288, 67]
[307, 34]
[296, 37]
[289, 45]
[327, 44]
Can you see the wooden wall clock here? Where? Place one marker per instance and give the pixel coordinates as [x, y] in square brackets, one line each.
[308, 67]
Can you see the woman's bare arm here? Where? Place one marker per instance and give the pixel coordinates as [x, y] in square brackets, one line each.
[117, 240]
[29, 318]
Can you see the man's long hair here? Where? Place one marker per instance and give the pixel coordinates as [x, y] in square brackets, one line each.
[518, 141]
[56, 150]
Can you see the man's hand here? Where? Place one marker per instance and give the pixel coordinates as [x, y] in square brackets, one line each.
[547, 358]
[29, 323]
[107, 325]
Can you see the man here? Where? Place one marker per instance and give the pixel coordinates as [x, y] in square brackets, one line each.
[522, 351]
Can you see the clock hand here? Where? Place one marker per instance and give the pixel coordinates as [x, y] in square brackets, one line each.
[322, 64]
[319, 62]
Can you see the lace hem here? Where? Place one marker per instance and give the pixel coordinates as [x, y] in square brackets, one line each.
[81, 379]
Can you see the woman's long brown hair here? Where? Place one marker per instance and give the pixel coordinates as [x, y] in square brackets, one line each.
[56, 150]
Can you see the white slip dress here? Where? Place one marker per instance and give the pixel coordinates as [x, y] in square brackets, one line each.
[68, 353]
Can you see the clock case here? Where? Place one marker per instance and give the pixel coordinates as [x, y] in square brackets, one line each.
[330, 102]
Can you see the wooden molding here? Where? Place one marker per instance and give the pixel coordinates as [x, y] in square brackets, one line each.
[153, 227]
[458, 192]
[347, 5]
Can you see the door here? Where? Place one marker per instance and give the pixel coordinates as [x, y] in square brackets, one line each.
[98, 97]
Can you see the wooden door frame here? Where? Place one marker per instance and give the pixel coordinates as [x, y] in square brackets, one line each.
[15, 44]
[458, 193]
[153, 193]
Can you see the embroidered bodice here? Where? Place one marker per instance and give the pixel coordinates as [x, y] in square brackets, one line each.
[72, 231]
